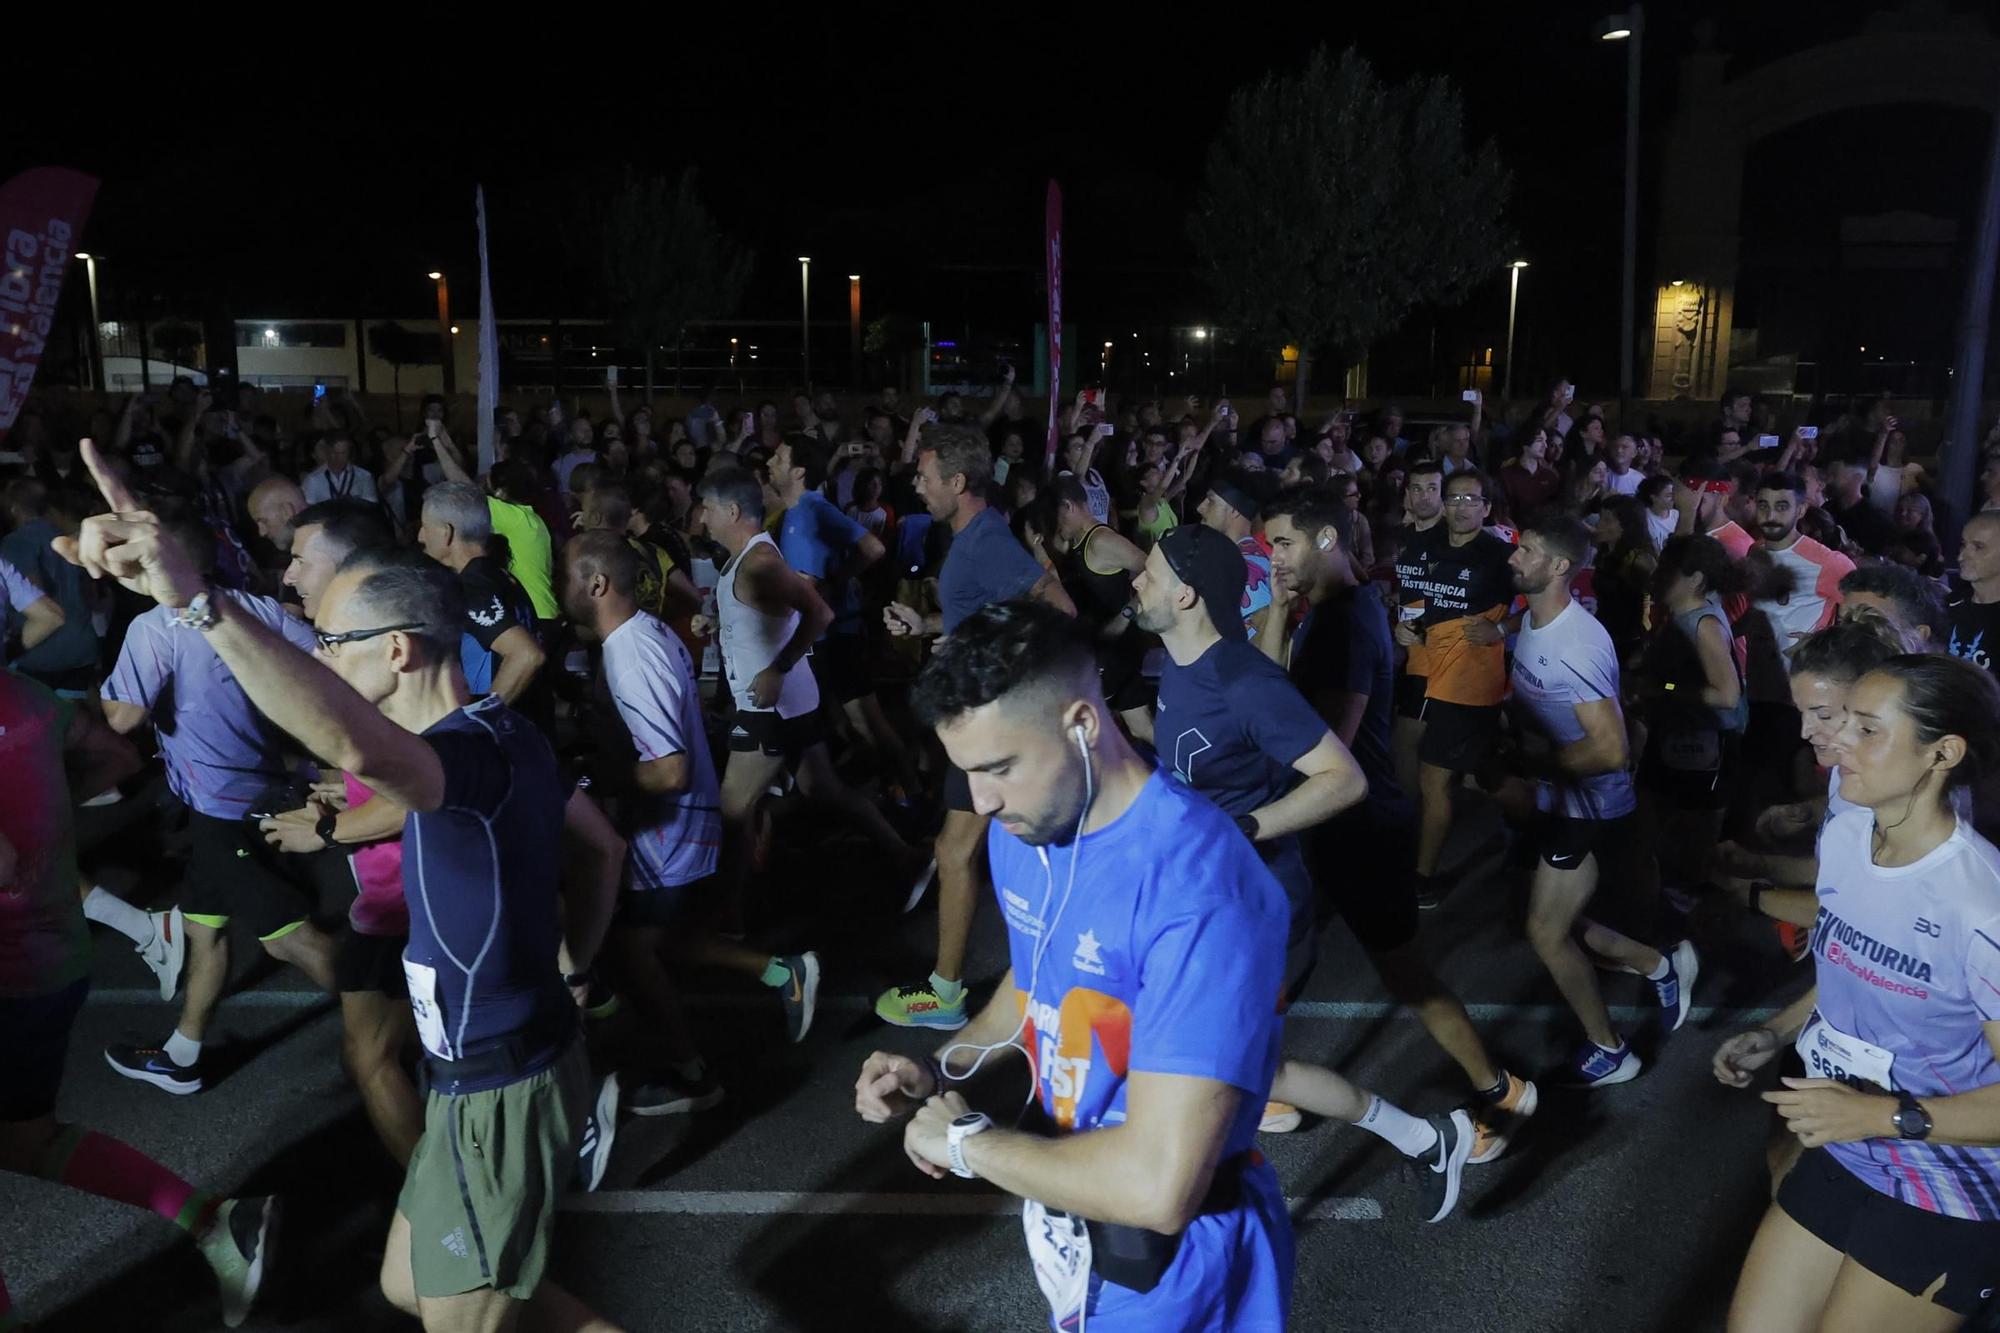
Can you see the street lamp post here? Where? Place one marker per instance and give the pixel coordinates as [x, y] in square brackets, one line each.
[1513, 297]
[1628, 28]
[445, 330]
[854, 329]
[805, 318]
[96, 326]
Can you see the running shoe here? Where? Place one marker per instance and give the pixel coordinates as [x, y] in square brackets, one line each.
[1494, 1124]
[1596, 1067]
[920, 1007]
[1676, 989]
[671, 1094]
[801, 993]
[1438, 1170]
[1279, 1118]
[600, 1127]
[167, 950]
[238, 1246]
[150, 1064]
[920, 885]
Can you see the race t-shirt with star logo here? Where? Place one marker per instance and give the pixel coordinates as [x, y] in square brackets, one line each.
[1167, 958]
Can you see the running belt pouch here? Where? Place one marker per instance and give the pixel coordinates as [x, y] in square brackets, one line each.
[1137, 1258]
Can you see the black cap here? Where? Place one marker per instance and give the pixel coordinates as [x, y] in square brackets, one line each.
[1245, 491]
[1213, 566]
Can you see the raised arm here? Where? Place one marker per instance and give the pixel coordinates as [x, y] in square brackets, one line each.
[315, 706]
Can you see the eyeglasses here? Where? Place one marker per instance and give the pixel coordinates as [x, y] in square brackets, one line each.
[1466, 501]
[328, 643]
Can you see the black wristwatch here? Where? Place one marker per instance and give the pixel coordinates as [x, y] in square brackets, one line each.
[325, 827]
[1911, 1120]
[1248, 823]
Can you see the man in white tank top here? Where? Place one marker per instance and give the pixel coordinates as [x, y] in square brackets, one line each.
[767, 618]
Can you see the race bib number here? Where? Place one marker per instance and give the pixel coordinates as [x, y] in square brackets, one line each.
[1830, 1053]
[1410, 611]
[1059, 1248]
[422, 981]
[1692, 751]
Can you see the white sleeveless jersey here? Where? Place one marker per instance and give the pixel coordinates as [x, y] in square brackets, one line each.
[752, 639]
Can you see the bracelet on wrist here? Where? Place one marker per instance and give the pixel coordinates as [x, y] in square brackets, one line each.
[935, 1068]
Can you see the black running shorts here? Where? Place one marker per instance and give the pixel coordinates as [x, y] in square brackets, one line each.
[775, 737]
[364, 963]
[840, 665]
[1458, 736]
[234, 875]
[1897, 1242]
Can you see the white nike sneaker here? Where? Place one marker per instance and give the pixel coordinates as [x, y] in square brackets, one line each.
[167, 950]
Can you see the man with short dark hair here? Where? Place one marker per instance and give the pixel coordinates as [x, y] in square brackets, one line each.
[1466, 591]
[1342, 659]
[985, 564]
[338, 477]
[668, 806]
[322, 536]
[1146, 942]
[1566, 693]
[1908, 600]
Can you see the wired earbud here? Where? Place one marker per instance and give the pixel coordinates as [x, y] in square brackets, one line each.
[1326, 543]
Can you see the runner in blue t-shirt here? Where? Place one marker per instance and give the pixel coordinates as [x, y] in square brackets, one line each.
[1891, 1218]
[985, 564]
[1147, 948]
[481, 852]
[832, 550]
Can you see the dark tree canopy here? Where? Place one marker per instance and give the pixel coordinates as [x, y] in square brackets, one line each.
[663, 262]
[1335, 203]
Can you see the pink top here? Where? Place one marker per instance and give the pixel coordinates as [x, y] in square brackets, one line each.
[378, 909]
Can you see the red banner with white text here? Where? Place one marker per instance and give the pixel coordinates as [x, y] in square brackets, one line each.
[41, 216]
[1052, 232]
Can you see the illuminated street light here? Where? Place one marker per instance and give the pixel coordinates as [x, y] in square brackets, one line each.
[1513, 296]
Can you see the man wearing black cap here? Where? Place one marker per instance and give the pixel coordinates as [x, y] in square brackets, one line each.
[1233, 727]
[1231, 507]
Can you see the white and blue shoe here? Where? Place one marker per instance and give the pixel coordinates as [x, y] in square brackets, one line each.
[1676, 989]
[1596, 1067]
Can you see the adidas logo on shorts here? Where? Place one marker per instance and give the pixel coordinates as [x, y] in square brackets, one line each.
[455, 1242]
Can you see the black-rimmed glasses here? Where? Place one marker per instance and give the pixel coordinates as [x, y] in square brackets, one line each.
[328, 643]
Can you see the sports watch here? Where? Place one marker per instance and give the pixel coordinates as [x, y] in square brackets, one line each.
[325, 827]
[963, 1128]
[1911, 1120]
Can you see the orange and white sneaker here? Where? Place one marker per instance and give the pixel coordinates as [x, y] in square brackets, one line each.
[1279, 1118]
[1495, 1123]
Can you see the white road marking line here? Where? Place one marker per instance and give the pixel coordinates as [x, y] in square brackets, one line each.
[779, 1203]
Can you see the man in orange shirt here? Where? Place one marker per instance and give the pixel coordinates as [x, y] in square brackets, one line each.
[1467, 590]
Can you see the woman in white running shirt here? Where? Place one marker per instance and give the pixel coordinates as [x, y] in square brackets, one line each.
[1891, 1219]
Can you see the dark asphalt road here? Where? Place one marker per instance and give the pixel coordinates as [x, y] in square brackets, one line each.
[1628, 1209]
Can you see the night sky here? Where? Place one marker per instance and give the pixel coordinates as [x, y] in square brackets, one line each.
[315, 179]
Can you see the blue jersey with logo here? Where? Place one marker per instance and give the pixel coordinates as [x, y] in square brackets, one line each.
[816, 540]
[1167, 958]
